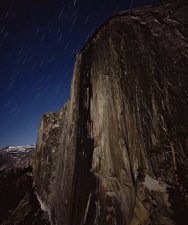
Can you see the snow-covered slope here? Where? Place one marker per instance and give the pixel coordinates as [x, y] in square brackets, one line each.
[16, 156]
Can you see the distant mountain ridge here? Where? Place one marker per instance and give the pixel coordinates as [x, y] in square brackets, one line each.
[16, 156]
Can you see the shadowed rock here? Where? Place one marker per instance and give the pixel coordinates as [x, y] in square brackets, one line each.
[117, 151]
[18, 202]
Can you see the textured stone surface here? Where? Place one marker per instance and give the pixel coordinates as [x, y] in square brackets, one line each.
[117, 152]
[18, 202]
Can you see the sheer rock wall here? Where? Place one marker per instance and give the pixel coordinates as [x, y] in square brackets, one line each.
[108, 156]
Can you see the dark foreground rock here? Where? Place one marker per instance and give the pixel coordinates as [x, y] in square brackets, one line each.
[18, 202]
[116, 154]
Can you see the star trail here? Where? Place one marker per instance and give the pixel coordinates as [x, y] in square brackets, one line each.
[38, 43]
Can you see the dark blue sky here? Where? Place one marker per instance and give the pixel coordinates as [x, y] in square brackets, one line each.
[38, 42]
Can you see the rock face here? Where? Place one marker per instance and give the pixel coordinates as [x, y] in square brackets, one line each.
[117, 151]
[18, 202]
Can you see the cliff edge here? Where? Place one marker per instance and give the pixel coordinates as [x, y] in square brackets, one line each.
[117, 152]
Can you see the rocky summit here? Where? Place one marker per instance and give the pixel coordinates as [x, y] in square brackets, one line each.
[117, 152]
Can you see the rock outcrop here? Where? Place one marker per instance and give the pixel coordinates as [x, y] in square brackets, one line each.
[117, 151]
[18, 202]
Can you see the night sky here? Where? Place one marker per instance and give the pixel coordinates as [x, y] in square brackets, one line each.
[38, 42]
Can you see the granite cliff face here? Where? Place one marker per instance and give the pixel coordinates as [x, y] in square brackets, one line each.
[117, 151]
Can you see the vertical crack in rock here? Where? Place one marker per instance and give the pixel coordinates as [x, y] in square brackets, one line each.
[84, 180]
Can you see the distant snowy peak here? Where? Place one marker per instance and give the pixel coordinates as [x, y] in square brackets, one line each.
[16, 156]
[12, 148]
[18, 147]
